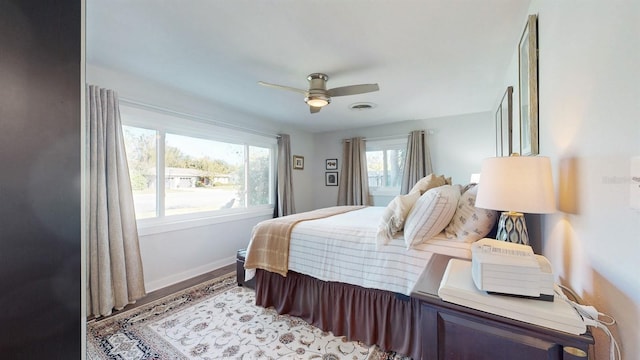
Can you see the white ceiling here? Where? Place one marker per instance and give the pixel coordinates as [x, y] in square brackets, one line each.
[431, 58]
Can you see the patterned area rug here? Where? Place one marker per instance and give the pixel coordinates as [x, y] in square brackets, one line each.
[216, 320]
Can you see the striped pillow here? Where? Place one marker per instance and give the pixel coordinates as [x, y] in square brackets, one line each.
[431, 214]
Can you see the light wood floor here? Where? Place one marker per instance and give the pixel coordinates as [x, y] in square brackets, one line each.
[160, 293]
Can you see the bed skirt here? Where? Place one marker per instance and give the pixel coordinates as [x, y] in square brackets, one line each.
[372, 316]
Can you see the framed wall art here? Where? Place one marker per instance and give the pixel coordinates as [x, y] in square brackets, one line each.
[504, 124]
[528, 87]
[331, 164]
[298, 162]
[331, 178]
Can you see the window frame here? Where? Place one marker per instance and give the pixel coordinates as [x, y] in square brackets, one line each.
[164, 122]
[385, 145]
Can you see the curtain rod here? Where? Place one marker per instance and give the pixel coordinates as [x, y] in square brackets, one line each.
[428, 132]
[146, 106]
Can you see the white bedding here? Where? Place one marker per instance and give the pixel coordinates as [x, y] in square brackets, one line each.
[342, 248]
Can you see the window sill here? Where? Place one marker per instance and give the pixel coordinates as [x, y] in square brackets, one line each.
[384, 192]
[168, 224]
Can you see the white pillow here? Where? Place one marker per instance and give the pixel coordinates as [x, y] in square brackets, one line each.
[394, 217]
[431, 214]
[469, 222]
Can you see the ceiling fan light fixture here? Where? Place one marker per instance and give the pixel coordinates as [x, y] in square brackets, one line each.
[318, 96]
[317, 100]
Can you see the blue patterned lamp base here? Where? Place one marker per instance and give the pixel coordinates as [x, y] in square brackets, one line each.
[512, 228]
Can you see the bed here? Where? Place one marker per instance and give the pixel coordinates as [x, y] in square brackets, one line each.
[342, 277]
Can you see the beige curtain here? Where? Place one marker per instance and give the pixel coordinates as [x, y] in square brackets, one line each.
[354, 183]
[114, 264]
[417, 162]
[284, 182]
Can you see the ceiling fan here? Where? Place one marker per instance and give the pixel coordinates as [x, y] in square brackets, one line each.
[318, 96]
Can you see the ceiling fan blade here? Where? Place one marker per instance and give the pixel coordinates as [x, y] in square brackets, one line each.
[282, 87]
[353, 89]
[314, 109]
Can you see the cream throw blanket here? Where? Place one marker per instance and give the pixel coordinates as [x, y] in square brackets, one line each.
[269, 245]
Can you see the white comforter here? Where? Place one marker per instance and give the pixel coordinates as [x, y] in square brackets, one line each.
[342, 248]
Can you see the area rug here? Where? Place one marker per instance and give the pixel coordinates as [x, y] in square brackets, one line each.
[216, 320]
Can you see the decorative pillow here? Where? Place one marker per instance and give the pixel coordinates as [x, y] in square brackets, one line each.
[467, 187]
[428, 182]
[469, 222]
[431, 214]
[394, 217]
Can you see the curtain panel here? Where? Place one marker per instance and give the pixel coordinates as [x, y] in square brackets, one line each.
[284, 204]
[115, 276]
[417, 162]
[354, 182]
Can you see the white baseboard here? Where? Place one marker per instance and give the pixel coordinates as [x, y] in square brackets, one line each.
[185, 275]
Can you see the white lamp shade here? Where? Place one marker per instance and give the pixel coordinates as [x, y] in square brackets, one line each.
[517, 183]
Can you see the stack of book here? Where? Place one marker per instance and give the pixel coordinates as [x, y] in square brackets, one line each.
[511, 269]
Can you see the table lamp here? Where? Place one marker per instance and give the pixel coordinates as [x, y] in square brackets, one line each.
[516, 185]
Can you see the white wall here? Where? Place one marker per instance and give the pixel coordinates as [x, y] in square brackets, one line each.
[174, 256]
[458, 145]
[589, 53]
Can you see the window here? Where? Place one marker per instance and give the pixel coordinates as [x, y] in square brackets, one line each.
[181, 169]
[385, 163]
[140, 145]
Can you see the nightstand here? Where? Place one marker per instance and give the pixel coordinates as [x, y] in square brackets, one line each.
[452, 331]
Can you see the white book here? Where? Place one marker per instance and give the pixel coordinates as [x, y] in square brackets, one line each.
[504, 267]
[546, 273]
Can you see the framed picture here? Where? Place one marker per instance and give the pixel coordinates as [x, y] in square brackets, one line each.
[331, 178]
[528, 89]
[298, 162]
[504, 124]
[332, 164]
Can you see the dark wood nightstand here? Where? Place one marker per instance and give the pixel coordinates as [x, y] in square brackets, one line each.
[452, 331]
